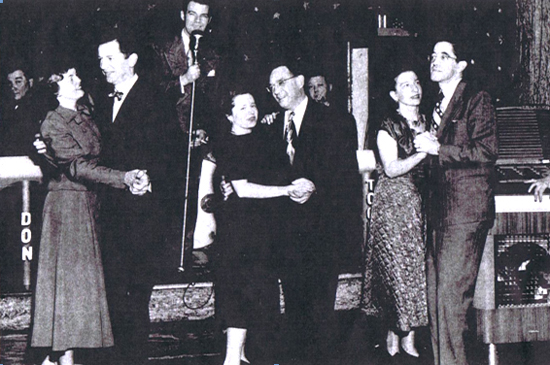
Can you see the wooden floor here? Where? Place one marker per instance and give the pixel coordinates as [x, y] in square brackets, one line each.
[183, 332]
[194, 342]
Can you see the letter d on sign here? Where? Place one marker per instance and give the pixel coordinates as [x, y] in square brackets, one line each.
[25, 218]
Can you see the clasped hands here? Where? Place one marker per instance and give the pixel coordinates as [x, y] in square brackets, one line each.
[300, 190]
[427, 142]
[138, 182]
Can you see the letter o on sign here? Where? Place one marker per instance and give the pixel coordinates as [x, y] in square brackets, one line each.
[26, 235]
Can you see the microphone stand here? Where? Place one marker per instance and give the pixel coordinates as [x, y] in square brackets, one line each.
[189, 149]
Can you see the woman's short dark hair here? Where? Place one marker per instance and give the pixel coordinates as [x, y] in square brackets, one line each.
[240, 86]
[60, 64]
[396, 70]
[228, 99]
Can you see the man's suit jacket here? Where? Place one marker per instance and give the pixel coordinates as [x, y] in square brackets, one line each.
[20, 124]
[309, 162]
[174, 64]
[141, 137]
[322, 158]
[347, 202]
[464, 169]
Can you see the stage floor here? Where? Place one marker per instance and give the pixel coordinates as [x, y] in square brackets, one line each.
[184, 332]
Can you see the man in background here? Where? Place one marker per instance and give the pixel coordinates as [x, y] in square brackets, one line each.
[188, 59]
[319, 88]
[189, 79]
[349, 202]
[21, 116]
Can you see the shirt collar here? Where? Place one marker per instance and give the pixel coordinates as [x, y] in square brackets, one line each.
[299, 112]
[448, 89]
[125, 86]
[186, 39]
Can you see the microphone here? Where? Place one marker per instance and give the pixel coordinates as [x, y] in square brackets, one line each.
[196, 35]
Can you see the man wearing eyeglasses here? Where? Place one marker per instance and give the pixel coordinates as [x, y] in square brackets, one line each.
[309, 265]
[463, 145]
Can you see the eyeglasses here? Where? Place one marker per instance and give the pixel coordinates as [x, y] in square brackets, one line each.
[279, 83]
[442, 56]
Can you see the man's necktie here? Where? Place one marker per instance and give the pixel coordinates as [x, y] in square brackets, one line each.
[116, 94]
[290, 132]
[438, 110]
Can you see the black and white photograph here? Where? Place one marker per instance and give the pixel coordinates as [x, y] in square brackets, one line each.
[274, 182]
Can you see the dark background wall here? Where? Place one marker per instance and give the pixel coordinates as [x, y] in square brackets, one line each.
[253, 31]
[509, 39]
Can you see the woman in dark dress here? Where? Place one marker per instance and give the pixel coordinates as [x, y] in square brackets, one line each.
[70, 305]
[247, 290]
[395, 278]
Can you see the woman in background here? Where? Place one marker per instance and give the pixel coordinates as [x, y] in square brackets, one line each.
[395, 278]
[70, 306]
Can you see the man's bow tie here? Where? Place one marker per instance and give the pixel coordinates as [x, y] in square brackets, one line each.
[116, 94]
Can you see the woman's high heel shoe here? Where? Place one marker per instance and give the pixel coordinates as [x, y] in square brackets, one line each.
[407, 343]
[392, 343]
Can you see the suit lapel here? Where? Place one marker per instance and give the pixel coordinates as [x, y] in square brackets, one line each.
[279, 128]
[176, 58]
[453, 109]
[306, 121]
[300, 142]
[128, 103]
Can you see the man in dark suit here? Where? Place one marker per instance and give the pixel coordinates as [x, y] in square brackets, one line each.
[21, 116]
[136, 131]
[187, 67]
[309, 269]
[463, 144]
[349, 203]
[181, 67]
[319, 87]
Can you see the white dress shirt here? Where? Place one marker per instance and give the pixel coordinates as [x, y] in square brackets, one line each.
[448, 90]
[186, 40]
[124, 87]
[299, 112]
